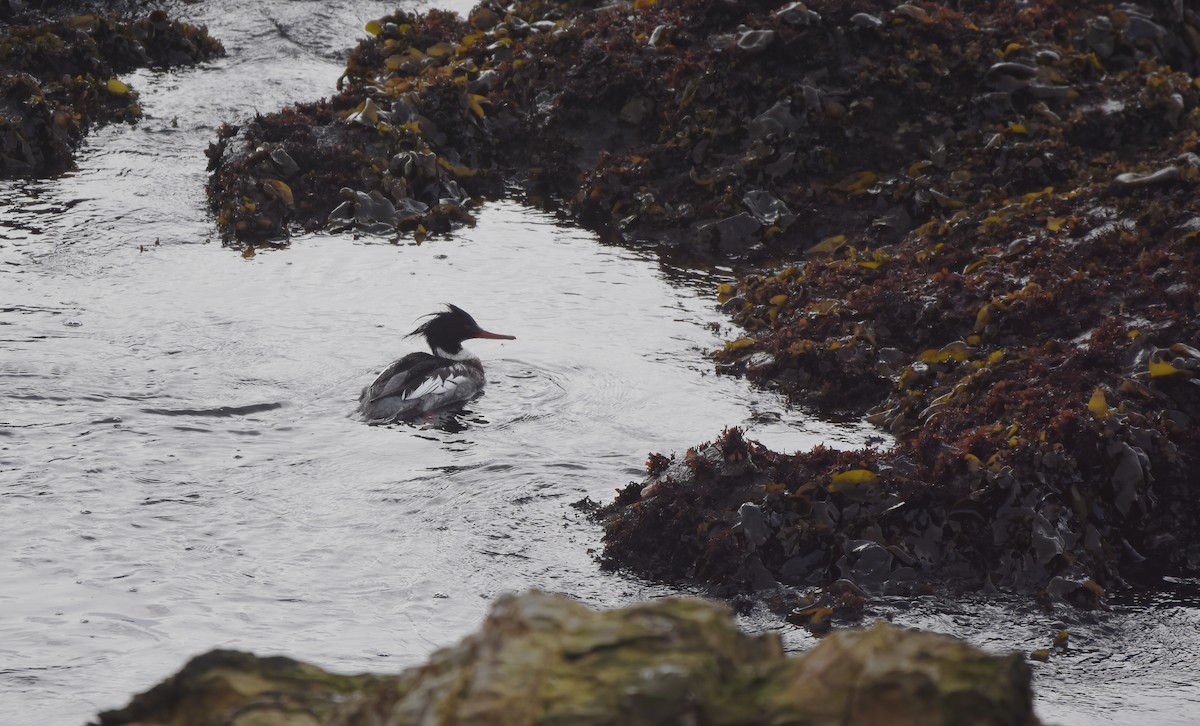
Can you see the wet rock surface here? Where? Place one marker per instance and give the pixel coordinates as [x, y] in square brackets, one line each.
[976, 226]
[59, 66]
[541, 659]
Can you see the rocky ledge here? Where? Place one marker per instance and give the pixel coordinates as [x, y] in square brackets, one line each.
[545, 659]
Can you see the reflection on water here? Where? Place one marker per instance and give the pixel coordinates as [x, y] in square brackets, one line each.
[179, 470]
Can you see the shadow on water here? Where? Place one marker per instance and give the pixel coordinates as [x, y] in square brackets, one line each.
[220, 411]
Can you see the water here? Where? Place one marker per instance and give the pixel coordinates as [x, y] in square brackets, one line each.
[178, 469]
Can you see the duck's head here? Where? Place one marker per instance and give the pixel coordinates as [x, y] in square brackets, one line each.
[445, 331]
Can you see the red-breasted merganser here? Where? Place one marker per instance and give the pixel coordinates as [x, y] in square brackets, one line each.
[420, 382]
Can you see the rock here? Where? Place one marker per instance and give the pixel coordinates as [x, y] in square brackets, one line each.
[660, 36]
[1133, 180]
[867, 21]
[283, 162]
[872, 564]
[732, 234]
[912, 12]
[541, 658]
[752, 524]
[899, 676]
[768, 209]
[755, 41]
[636, 110]
[797, 13]
[775, 121]
[370, 212]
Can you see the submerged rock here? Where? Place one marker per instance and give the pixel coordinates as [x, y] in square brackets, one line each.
[545, 659]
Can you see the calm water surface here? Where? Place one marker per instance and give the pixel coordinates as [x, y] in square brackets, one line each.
[178, 470]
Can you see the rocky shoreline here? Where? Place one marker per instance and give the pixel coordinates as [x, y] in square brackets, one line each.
[59, 68]
[976, 227]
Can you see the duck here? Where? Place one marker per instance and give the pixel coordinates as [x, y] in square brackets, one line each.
[423, 383]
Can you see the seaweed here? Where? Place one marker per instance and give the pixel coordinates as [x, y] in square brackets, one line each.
[58, 78]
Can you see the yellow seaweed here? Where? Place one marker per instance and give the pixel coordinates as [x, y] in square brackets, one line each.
[857, 182]
[852, 477]
[456, 169]
[365, 113]
[475, 101]
[877, 259]
[979, 263]
[1098, 405]
[827, 246]
[918, 166]
[983, 317]
[279, 190]
[956, 351]
[822, 307]
[1161, 369]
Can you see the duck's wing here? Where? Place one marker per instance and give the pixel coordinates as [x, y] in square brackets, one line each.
[444, 385]
[402, 377]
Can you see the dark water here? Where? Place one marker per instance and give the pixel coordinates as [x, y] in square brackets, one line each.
[178, 470]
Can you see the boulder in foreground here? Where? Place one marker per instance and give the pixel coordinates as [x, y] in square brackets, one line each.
[546, 659]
